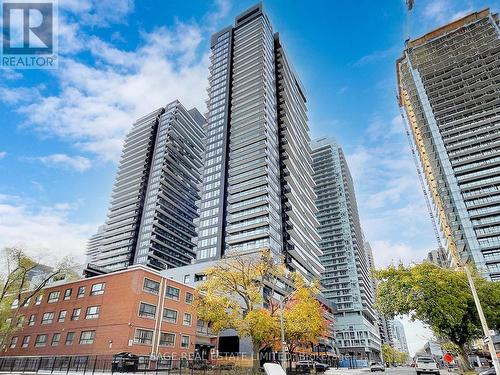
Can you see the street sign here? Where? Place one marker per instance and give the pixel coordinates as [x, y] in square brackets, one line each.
[448, 357]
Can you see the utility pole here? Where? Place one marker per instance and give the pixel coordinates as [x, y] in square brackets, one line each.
[484, 324]
[283, 343]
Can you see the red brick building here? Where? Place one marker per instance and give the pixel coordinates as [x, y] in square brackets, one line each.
[135, 310]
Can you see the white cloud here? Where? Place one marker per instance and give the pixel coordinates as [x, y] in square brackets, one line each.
[97, 104]
[45, 231]
[440, 12]
[77, 163]
[97, 12]
[417, 334]
[11, 74]
[437, 10]
[393, 213]
[386, 252]
[377, 56]
[3, 154]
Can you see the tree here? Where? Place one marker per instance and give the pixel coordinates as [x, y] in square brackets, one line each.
[232, 298]
[16, 288]
[440, 298]
[392, 355]
[303, 315]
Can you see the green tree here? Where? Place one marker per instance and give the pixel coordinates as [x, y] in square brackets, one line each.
[388, 353]
[16, 288]
[393, 356]
[440, 298]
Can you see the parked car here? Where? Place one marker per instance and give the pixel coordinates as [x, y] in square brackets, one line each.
[375, 366]
[490, 371]
[307, 366]
[125, 362]
[426, 365]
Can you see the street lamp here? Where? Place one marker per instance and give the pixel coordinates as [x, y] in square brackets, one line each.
[283, 343]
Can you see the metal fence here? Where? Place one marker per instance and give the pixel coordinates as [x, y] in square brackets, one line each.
[104, 364]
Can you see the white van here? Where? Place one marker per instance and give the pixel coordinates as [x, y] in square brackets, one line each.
[426, 365]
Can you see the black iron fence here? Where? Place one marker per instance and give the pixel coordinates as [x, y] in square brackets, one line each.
[90, 365]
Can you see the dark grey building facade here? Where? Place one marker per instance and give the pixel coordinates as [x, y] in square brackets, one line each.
[151, 218]
[258, 190]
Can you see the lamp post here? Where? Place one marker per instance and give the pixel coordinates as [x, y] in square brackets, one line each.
[283, 343]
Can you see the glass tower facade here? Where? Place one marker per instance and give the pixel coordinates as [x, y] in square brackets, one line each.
[346, 281]
[257, 182]
[153, 205]
[448, 87]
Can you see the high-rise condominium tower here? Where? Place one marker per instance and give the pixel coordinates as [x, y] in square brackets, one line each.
[153, 204]
[449, 87]
[346, 280]
[398, 336]
[93, 244]
[257, 182]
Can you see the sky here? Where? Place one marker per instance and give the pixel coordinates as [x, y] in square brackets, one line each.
[61, 131]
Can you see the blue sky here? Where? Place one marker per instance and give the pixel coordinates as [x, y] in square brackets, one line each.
[61, 131]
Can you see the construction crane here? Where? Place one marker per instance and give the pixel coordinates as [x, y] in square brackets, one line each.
[427, 198]
[421, 177]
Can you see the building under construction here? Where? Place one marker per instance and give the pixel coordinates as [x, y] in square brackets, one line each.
[449, 87]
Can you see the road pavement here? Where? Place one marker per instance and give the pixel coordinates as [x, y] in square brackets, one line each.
[389, 371]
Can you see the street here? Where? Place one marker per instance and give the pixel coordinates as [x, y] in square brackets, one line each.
[389, 371]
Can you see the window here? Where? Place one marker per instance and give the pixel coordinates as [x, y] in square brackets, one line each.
[170, 316]
[97, 289]
[187, 319]
[56, 337]
[151, 286]
[20, 321]
[76, 314]
[184, 341]
[167, 339]
[47, 318]
[87, 337]
[172, 293]
[13, 342]
[70, 337]
[26, 341]
[67, 293]
[53, 297]
[92, 312]
[81, 292]
[143, 336]
[38, 299]
[15, 304]
[189, 297]
[27, 302]
[32, 320]
[187, 278]
[40, 340]
[147, 311]
[62, 316]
